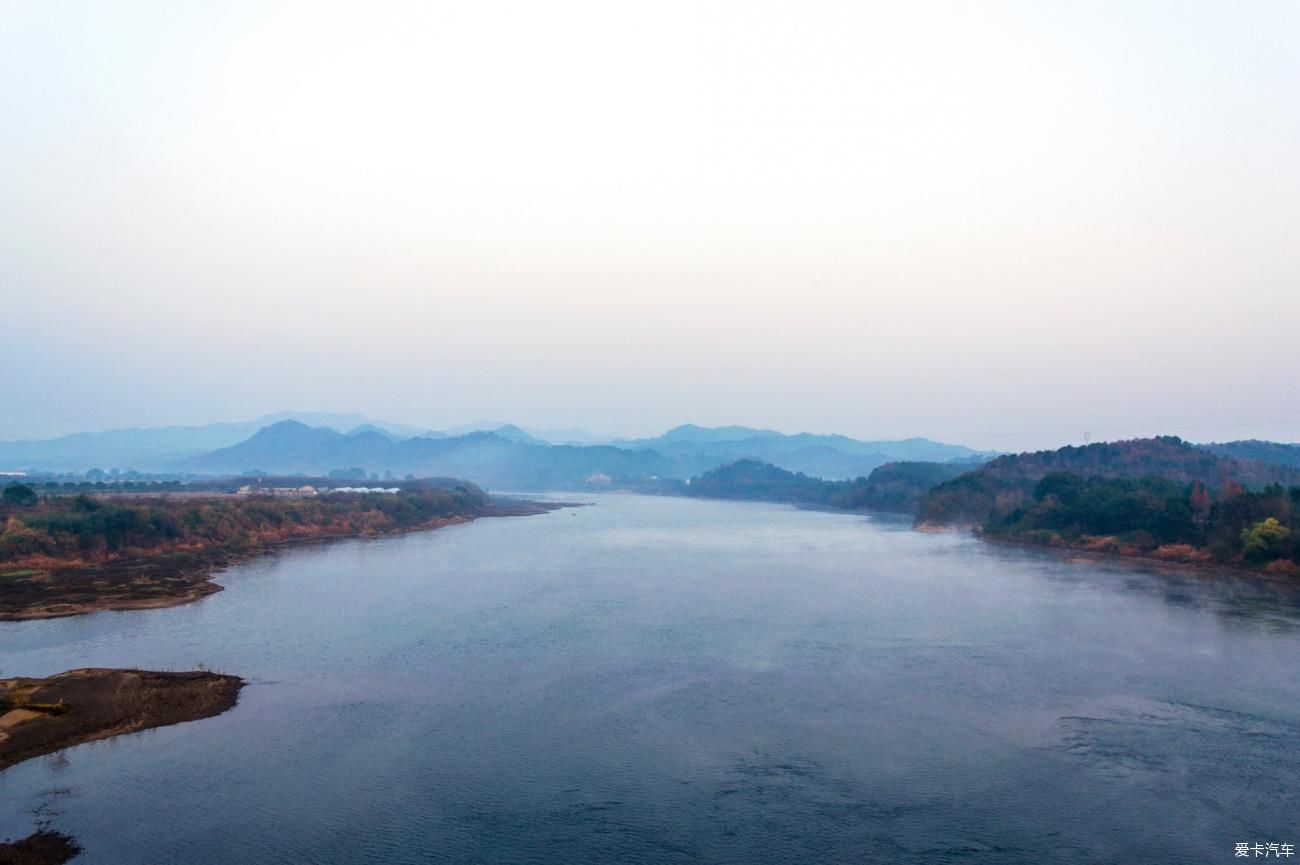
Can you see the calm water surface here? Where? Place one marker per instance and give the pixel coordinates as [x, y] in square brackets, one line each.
[660, 681]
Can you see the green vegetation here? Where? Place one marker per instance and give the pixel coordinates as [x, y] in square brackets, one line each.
[1266, 540]
[73, 554]
[1000, 485]
[891, 487]
[93, 530]
[18, 496]
[1155, 497]
[895, 487]
[1155, 516]
[752, 480]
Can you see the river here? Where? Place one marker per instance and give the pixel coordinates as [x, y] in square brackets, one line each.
[659, 680]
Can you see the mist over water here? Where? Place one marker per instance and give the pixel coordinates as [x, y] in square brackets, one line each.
[661, 680]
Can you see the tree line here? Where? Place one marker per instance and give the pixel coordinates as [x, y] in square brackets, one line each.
[1160, 517]
[89, 529]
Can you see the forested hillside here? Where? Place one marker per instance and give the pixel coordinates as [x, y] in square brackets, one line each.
[1003, 483]
[1261, 451]
[1166, 519]
[891, 487]
[1160, 497]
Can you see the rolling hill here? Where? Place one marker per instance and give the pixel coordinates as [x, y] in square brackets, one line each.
[896, 487]
[1007, 480]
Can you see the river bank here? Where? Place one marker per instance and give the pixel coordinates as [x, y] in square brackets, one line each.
[44, 847]
[1184, 559]
[517, 686]
[41, 716]
[44, 586]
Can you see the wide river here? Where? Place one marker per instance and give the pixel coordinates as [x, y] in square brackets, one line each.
[656, 680]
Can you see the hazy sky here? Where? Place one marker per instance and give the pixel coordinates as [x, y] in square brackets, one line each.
[1002, 224]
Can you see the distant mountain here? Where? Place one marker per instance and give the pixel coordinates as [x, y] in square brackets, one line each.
[571, 436]
[1004, 482]
[510, 432]
[371, 428]
[143, 449]
[548, 436]
[289, 446]
[338, 421]
[166, 448]
[824, 456]
[1261, 451]
[682, 452]
[691, 433]
[487, 458]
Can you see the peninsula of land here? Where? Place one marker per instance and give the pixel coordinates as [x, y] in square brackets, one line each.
[69, 555]
[41, 716]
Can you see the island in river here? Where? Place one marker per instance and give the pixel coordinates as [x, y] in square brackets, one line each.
[68, 555]
[41, 716]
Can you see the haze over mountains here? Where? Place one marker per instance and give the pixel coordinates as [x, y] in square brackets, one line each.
[506, 454]
[163, 448]
[824, 456]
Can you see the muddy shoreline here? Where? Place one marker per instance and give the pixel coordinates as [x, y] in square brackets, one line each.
[43, 847]
[173, 579]
[42, 716]
[1080, 554]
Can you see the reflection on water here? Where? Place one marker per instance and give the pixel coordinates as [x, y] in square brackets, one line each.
[1242, 600]
[657, 680]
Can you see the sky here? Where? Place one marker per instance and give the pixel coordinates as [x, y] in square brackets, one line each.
[1011, 225]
